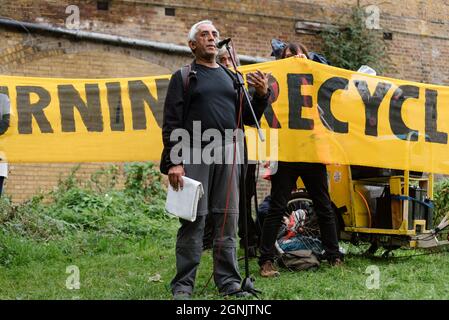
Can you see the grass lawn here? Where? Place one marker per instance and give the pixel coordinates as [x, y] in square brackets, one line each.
[116, 268]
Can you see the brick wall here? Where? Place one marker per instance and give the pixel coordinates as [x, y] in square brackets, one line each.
[26, 180]
[419, 50]
[46, 56]
[419, 27]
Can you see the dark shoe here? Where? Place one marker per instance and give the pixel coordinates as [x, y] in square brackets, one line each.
[267, 270]
[235, 292]
[181, 295]
[240, 294]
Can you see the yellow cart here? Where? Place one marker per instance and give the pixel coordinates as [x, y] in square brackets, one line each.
[384, 207]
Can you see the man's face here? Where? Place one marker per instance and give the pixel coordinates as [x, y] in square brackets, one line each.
[205, 44]
[225, 59]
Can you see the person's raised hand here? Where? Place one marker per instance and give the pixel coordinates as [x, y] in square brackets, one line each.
[259, 81]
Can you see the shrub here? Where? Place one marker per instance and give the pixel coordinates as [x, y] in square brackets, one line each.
[354, 45]
[144, 179]
[137, 210]
[441, 200]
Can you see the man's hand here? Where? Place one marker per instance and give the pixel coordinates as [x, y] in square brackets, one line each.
[259, 81]
[175, 177]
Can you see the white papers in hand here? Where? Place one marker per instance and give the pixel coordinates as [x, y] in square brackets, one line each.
[184, 203]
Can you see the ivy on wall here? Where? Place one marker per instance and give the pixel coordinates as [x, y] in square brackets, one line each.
[354, 45]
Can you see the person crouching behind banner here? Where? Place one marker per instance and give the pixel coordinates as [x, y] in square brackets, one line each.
[250, 181]
[209, 99]
[314, 177]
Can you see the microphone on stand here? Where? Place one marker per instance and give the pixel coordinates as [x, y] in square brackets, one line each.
[223, 42]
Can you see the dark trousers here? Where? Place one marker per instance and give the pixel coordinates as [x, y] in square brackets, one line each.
[283, 182]
[189, 247]
[253, 230]
[250, 191]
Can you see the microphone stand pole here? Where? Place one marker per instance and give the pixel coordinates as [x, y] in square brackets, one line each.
[248, 282]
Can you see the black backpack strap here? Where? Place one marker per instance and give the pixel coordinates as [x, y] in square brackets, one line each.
[188, 73]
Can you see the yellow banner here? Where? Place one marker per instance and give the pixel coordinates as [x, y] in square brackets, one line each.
[317, 113]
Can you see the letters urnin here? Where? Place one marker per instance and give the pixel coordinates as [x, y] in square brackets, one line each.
[33, 103]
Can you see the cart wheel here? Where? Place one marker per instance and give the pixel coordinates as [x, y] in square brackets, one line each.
[387, 254]
[301, 200]
[309, 222]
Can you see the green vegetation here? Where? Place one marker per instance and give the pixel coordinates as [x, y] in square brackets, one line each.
[353, 45]
[123, 244]
[441, 200]
[91, 225]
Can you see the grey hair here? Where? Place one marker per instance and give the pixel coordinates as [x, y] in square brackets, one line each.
[222, 51]
[194, 29]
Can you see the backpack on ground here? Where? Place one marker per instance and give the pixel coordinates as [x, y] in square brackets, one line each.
[298, 260]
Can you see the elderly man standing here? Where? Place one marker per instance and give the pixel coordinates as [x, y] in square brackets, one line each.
[208, 98]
